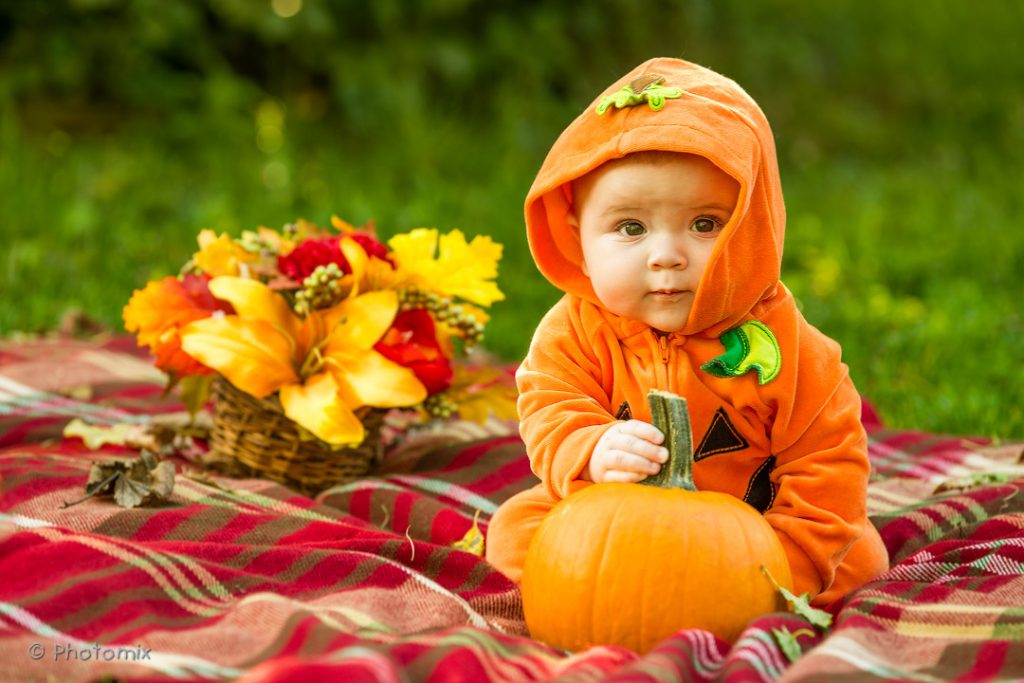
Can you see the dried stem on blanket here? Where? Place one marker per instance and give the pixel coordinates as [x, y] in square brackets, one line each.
[91, 490]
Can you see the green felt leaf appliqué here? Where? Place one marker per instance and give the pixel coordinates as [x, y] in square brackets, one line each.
[751, 346]
[646, 88]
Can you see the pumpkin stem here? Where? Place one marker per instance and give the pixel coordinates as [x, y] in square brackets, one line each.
[669, 414]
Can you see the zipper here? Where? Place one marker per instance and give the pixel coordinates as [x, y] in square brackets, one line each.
[665, 382]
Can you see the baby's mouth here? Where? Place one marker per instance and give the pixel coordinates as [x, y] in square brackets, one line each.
[668, 294]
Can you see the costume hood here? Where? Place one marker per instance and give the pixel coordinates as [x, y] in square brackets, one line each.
[709, 115]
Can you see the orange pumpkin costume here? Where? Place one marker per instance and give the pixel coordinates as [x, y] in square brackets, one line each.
[776, 419]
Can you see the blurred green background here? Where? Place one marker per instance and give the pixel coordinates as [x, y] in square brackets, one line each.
[126, 126]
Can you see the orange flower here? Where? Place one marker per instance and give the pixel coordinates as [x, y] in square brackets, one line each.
[157, 313]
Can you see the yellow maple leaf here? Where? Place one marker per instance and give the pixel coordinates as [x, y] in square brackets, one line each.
[473, 541]
[450, 265]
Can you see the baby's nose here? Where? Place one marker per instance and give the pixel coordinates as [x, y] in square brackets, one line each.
[666, 252]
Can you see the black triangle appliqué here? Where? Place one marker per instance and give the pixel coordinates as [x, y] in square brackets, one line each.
[761, 491]
[721, 437]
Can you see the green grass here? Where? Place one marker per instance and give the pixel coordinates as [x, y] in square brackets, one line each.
[898, 129]
[913, 268]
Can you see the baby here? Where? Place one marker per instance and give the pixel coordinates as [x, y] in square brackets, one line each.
[659, 213]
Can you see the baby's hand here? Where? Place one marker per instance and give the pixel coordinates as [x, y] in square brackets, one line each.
[628, 451]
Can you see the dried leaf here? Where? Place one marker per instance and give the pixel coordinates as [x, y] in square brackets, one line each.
[175, 433]
[195, 391]
[788, 642]
[129, 493]
[76, 323]
[473, 541]
[81, 392]
[164, 434]
[122, 434]
[801, 605]
[163, 480]
[975, 480]
[131, 481]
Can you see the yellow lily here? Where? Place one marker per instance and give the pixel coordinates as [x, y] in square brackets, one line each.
[323, 366]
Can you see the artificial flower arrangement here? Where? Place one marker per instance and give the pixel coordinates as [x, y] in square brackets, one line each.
[307, 336]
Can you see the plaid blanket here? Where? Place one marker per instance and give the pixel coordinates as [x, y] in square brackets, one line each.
[248, 580]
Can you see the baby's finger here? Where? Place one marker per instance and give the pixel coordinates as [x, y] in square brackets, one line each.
[638, 446]
[631, 462]
[643, 430]
[625, 477]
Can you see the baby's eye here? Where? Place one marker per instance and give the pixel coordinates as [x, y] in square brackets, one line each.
[631, 229]
[706, 225]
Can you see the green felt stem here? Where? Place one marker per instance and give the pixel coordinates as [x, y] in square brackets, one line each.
[669, 414]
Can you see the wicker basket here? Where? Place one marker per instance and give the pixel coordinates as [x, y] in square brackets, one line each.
[253, 437]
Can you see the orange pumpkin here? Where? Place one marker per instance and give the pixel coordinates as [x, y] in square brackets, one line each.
[631, 564]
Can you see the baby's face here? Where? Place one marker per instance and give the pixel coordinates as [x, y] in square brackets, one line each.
[647, 228]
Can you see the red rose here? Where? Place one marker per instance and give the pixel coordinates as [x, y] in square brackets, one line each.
[320, 251]
[305, 258]
[372, 246]
[412, 343]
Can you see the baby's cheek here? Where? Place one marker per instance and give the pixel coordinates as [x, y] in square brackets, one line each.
[621, 298]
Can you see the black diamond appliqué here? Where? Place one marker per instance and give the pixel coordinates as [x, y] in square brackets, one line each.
[721, 437]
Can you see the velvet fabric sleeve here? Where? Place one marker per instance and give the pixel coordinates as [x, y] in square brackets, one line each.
[563, 404]
[821, 468]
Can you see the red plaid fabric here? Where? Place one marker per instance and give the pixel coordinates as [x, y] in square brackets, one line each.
[247, 580]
